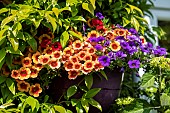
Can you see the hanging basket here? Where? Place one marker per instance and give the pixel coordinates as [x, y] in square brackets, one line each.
[109, 88]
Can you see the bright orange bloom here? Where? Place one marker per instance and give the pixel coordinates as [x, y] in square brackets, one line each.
[73, 74]
[24, 73]
[84, 71]
[54, 64]
[44, 59]
[73, 59]
[81, 55]
[38, 66]
[110, 35]
[57, 55]
[98, 66]
[68, 66]
[68, 51]
[93, 33]
[94, 57]
[23, 86]
[26, 62]
[48, 51]
[15, 74]
[35, 57]
[86, 45]
[88, 65]
[143, 39]
[115, 46]
[91, 50]
[122, 32]
[34, 72]
[77, 45]
[35, 90]
[87, 57]
[77, 66]
[43, 37]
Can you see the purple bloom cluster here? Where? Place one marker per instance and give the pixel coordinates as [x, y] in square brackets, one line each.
[104, 60]
[98, 47]
[160, 51]
[99, 15]
[134, 63]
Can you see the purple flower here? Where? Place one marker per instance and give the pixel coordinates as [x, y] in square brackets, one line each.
[133, 38]
[132, 49]
[119, 26]
[124, 45]
[133, 31]
[144, 49]
[93, 39]
[98, 47]
[100, 39]
[112, 55]
[120, 54]
[134, 63]
[99, 15]
[104, 60]
[160, 51]
[107, 43]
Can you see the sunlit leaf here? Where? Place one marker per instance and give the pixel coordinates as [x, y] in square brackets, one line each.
[11, 85]
[88, 7]
[71, 91]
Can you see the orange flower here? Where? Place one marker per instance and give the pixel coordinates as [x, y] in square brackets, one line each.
[48, 51]
[26, 62]
[77, 45]
[44, 59]
[81, 55]
[35, 57]
[93, 33]
[87, 57]
[15, 74]
[23, 86]
[54, 63]
[84, 71]
[38, 66]
[35, 90]
[34, 72]
[73, 74]
[43, 37]
[73, 59]
[88, 65]
[143, 39]
[86, 45]
[77, 66]
[68, 51]
[64, 59]
[91, 50]
[89, 23]
[98, 66]
[57, 54]
[110, 35]
[5, 70]
[94, 57]
[122, 32]
[115, 46]
[24, 73]
[68, 66]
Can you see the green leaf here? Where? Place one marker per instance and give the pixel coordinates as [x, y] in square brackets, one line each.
[3, 54]
[3, 10]
[52, 20]
[16, 28]
[76, 35]
[104, 74]
[91, 93]
[80, 18]
[64, 38]
[6, 105]
[9, 58]
[88, 7]
[58, 11]
[11, 50]
[135, 23]
[135, 8]
[85, 104]
[60, 109]
[2, 34]
[11, 85]
[36, 22]
[89, 81]
[1, 63]
[95, 104]
[2, 79]
[142, 19]
[14, 41]
[79, 108]
[7, 20]
[125, 21]
[74, 102]
[33, 103]
[93, 3]
[71, 91]
[165, 99]
[147, 80]
[31, 41]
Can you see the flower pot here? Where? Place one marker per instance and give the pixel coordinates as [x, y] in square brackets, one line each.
[109, 88]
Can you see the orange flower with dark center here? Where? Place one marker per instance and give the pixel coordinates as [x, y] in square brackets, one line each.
[73, 59]
[93, 33]
[57, 54]
[15, 74]
[26, 62]
[143, 39]
[56, 46]
[122, 32]
[87, 57]
[77, 66]
[86, 45]
[88, 65]
[91, 50]
[5, 70]
[77, 45]
[115, 46]
[94, 57]
[48, 51]
[68, 66]
[54, 64]
[68, 51]
[64, 59]
[34, 72]
[98, 66]
[24, 73]
[44, 37]
[44, 59]
[38, 66]
[35, 57]
[84, 71]
[110, 35]
[23, 86]
[73, 74]
[35, 90]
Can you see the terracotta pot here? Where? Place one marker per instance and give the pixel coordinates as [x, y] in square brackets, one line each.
[106, 97]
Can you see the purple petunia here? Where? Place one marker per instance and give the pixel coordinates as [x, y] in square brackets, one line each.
[160, 51]
[120, 54]
[104, 60]
[98, 47]
[132, 49]
[133, 38]
[124, 45]
[93, 39]
[112, 55]
[134, 63]
[107, 43]
[99, 15]
[133, 31]
[100, 39]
